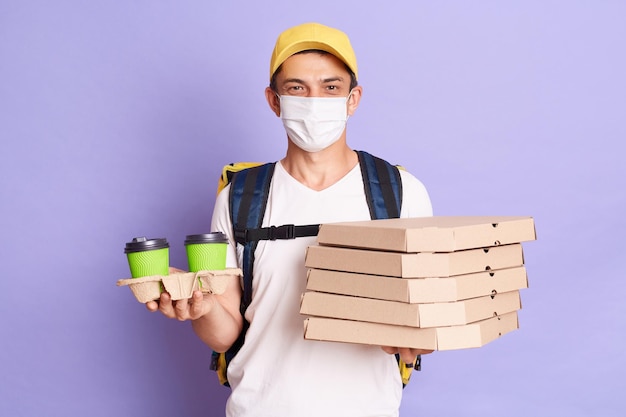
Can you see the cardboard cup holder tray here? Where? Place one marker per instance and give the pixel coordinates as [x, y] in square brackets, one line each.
[180, 285]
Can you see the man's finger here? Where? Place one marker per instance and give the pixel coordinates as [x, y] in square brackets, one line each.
[196, 309]
[165, 306]
[181, 307]
[390, 350]
[152, 306]
[407, 355]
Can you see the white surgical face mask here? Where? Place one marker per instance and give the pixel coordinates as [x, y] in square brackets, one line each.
[313, 123]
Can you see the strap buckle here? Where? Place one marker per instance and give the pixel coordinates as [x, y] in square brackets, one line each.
[286, 231]
[241, 236]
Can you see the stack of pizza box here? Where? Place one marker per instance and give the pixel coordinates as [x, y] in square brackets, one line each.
[438, 283]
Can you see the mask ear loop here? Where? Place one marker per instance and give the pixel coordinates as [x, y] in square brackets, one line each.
[347, 99]
[279, 104]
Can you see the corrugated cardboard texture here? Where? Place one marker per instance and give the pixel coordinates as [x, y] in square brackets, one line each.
[429, 234]
[403, 314]
[438, 338]
[180, 285]
[414, 265]
[418, 290]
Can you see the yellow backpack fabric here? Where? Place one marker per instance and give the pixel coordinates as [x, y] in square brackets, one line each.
[230, 169]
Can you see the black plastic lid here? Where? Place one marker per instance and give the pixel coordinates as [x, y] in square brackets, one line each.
[214, 237]
[141, 244]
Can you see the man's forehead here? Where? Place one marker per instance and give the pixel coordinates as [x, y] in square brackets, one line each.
[314, 65]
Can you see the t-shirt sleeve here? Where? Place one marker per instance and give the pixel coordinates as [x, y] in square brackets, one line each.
[220, 222]
[415, 198]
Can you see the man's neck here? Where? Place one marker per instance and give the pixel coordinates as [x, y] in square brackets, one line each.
[322, 169]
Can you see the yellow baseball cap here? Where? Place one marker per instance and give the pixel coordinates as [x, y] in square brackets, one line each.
[313, 36]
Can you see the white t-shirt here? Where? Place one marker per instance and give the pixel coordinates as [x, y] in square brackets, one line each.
[277, 372]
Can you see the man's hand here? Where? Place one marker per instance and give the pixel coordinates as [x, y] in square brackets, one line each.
[407, 355]
[215, 318]
[186, 309]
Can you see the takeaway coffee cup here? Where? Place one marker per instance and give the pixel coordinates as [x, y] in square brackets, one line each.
[206, 252]
[148, 257]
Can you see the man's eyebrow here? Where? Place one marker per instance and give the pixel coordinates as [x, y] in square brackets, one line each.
[324, 81]
[294, 80]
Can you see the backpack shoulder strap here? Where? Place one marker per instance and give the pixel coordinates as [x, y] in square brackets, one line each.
[249, 189]
[383, 186]
[248, 198]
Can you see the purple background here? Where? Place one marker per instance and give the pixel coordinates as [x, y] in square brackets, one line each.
[117, 117]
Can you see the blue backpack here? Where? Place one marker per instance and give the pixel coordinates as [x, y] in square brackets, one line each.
[249, 191]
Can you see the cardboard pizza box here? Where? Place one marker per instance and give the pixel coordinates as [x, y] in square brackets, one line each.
[429, 234]
[418, 290]
[404, 314]
[435, 338]
[414, 265]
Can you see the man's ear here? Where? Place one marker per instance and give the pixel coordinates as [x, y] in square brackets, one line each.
[354, 99]
[273, 101]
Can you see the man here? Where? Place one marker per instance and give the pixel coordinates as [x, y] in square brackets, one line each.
[313, 89]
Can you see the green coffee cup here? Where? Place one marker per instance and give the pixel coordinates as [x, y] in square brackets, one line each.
[206, 252]
[148, 257]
